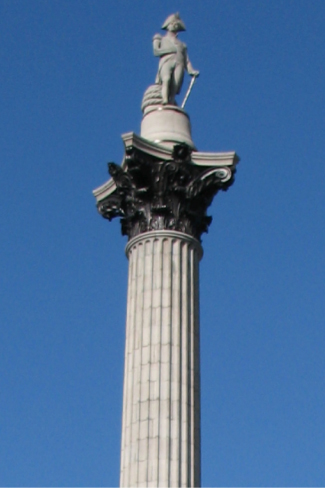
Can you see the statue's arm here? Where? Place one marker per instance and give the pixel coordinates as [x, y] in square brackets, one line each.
[158, 50]
[191, 71]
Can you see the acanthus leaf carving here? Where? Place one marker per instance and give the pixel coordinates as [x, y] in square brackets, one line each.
[172, 194]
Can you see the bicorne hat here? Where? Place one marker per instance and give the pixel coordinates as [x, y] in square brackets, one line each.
[173, 18]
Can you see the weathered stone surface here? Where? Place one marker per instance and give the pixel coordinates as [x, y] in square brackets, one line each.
[161, 399]
[167, 125]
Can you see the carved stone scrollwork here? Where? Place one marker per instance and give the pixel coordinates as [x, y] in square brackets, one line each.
[174, 194]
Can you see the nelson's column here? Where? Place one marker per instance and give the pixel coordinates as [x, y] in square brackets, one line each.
[162, 191]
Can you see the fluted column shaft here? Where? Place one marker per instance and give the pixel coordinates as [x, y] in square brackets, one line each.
[161, 398]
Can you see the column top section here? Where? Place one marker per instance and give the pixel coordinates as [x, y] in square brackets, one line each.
[164, 234]
[160, 188]
[162, 153]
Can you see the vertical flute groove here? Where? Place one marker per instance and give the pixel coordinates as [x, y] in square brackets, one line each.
[163, 260]
[153, 452]
[197, 379]
[175, 367]
[128, 404]
[184, 380]
[192, 366]
[138, 370]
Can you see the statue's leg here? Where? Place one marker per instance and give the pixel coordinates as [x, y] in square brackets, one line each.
[165, 76]
[178, 78]
[165, 90]
[172, 90]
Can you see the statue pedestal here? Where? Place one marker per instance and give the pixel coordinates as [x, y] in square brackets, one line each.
[167, 125]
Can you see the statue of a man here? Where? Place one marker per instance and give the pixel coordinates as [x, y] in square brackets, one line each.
[174, 59]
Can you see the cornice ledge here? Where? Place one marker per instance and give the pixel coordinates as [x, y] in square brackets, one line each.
[216, 159]
[133, 141]
[104, 190]
[208, 159]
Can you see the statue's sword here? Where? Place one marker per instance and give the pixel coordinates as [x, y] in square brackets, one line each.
[188, 91]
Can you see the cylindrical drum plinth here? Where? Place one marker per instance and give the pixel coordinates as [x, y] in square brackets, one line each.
[161, 398]
[167, 125]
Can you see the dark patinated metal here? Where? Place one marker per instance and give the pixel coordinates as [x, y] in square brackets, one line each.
[152, 194]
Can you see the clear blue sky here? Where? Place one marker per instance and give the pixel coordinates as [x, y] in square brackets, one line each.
[72, 77]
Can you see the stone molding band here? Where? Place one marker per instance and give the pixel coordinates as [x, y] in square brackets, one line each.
[165, 234]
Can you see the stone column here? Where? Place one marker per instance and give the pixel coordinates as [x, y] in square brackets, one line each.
[161, 400]
[162, 195]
